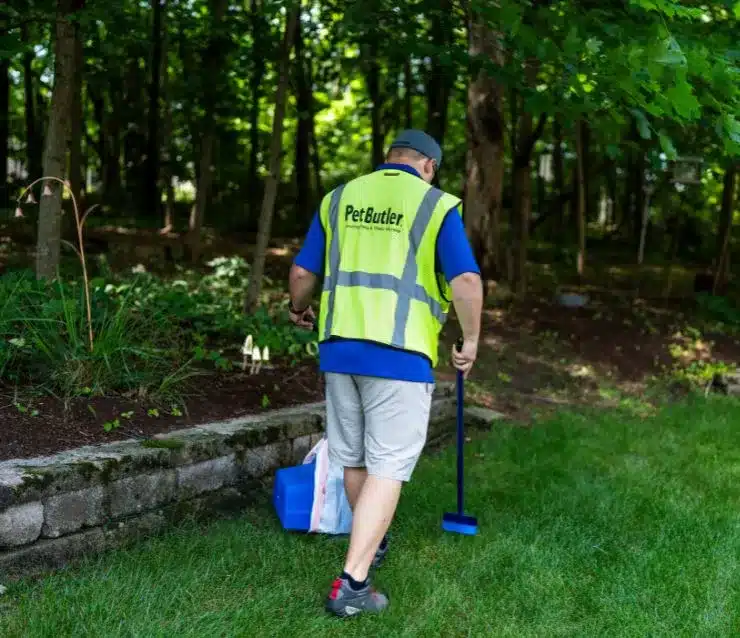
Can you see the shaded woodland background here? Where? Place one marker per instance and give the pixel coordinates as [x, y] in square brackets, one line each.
[561, 121]
[596, 146]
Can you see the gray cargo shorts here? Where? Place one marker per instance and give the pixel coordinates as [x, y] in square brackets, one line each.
[380, 424]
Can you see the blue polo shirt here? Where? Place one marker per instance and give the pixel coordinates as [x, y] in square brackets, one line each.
[349, 356]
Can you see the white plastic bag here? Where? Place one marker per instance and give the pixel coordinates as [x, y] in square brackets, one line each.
[330, 512]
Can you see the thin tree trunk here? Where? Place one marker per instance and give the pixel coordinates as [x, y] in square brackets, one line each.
[315, 155]
[167, 148]
[522, 191]
[55, 151]
[4, 128]
[581, 208]
[725, 228]
[152, 198]
[258, 73]
[4, 124]
[408, 93]
[33, 142]
[76, 123]
[276, 145]
[212, 59]
[372, 78]
[485, 156]
[112, 181]
[611, 189]
[304, 106]
[558, 168]
[526, 138]
[590, 193]
[441, 77]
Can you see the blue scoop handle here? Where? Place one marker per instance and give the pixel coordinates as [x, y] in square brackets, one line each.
[460, 434]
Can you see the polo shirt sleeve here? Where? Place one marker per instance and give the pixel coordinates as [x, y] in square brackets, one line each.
[313, 252]
[454, 253]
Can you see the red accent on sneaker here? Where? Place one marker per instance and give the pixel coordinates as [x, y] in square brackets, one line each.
[336, 586]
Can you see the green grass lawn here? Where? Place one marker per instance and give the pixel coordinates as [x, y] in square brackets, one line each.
[590, 525]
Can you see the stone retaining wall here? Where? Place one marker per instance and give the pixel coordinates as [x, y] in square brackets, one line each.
[83, 501]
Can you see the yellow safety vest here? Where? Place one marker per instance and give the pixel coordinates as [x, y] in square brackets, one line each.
[380, 279]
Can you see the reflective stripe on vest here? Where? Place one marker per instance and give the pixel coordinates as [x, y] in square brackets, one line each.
[405, 287]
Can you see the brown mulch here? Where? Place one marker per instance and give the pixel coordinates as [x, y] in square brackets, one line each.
[42, 426]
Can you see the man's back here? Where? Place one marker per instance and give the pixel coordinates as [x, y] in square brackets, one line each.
[392, 251]
[453, 257]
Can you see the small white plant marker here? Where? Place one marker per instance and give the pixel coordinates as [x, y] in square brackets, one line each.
[246, 351]
[256, 360]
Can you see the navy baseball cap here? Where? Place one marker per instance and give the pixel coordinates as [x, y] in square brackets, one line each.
[421, 142]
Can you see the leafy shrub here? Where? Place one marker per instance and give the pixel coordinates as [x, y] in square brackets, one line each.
[719, 309]
[150, 334]
[44, 342]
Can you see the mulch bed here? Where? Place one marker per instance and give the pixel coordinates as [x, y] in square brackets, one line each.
[42, 426]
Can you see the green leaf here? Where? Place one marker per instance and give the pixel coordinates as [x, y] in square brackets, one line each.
[731, 127]
[737, 10]
[683, 100]
[667, 145]
[612, 151]
[643, 126]
[670, 53]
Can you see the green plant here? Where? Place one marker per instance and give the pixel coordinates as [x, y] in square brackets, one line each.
[22, 409]
[43, 341]
[720, 309]
[111, 425]
[80, 249]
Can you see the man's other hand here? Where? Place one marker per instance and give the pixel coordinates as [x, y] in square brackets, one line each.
[305, 319]
[464, 358]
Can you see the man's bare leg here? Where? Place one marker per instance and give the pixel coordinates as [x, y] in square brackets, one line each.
[372, 515]
[354, 479]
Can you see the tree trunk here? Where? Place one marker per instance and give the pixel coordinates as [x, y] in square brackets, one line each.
[4, 128]
[276, 145]
[590, 193]
[441, 76]
[522, 203]
[485, 157]
[611, 189]
[725, 228]
[526, 137]
[55, 150]
[33, 141]
[4, 124]
[304, 106]
[212, 64]
[77, 123]
[408, 93]
[258, 73]
[152, 198]
[315, 155]
[167, 171]
[581, 207]
[558, 168]
[112, 177]
[372, 77]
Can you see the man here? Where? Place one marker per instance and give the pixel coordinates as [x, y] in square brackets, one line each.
[392, 253]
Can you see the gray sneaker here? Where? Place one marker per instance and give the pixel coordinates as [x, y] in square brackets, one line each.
[379, 556]
[343, 601]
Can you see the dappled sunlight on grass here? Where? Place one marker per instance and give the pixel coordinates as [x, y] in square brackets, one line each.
[596, 523]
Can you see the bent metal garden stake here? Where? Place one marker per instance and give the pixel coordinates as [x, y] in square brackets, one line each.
[80, 223]
[458, 522]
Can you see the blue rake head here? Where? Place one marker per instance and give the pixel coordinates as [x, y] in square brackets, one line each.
[460, 524]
